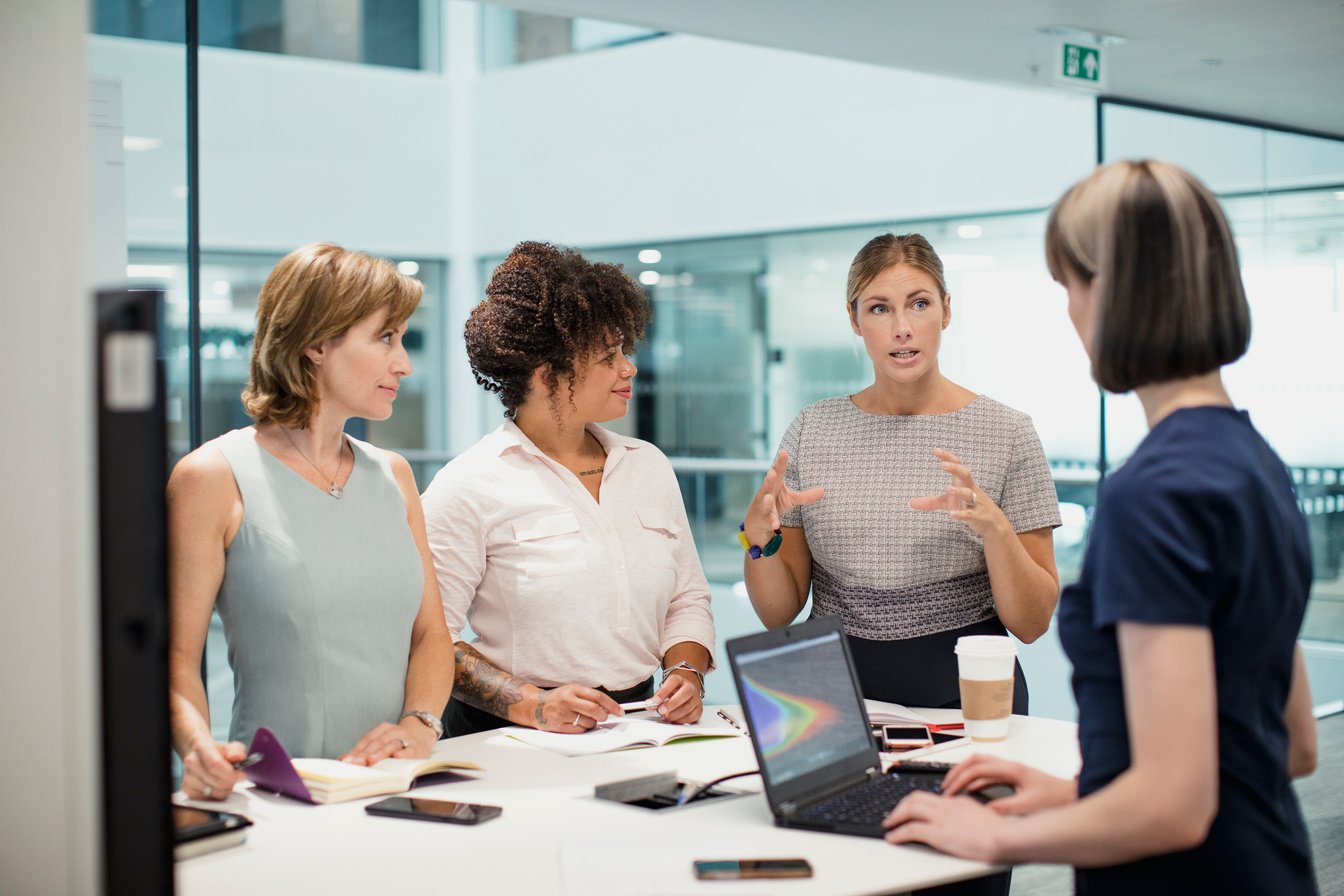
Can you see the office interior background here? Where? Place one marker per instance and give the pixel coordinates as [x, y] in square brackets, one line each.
[734, 180]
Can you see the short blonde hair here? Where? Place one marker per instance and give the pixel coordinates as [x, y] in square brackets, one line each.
[315, 293]
[1170, 302]
[881, 252]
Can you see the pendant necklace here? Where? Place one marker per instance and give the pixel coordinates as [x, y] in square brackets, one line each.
[332, 489]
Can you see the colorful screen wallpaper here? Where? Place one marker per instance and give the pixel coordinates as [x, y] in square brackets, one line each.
[801, 706]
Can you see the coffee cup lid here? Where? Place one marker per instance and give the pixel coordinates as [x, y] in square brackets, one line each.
[991, 645]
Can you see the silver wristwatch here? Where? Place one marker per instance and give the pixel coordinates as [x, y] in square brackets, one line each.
[430, 720]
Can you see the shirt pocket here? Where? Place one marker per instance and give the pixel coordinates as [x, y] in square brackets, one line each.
[661, 533]
[550, 544]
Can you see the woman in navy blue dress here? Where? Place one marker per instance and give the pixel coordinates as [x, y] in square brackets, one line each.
[1193, 707]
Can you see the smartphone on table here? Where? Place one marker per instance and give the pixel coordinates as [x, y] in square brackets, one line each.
[751, 869]
[433, 810]
[897, 738]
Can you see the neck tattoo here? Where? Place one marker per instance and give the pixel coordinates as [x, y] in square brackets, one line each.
[593, 472]
[332, 488]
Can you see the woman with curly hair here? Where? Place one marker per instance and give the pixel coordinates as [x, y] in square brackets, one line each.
[310, 543]
[565, 545]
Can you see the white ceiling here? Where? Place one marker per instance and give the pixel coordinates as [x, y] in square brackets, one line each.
[1273, 61]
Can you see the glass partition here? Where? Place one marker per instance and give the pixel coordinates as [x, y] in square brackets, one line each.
[1284, 196]
[397, 33]
[749, 330]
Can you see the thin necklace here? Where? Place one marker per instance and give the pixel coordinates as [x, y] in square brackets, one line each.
[333, 489]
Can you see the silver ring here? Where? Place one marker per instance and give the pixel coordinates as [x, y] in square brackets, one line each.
[971, 506]
[575, 723]
[405, 743]
[208, 791]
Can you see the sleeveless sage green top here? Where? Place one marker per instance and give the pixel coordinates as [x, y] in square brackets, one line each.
[318, 600]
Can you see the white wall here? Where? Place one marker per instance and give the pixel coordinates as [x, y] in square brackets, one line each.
[688, 137]
[48, 776]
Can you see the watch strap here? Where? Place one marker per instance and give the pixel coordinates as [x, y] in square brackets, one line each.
[430, 720]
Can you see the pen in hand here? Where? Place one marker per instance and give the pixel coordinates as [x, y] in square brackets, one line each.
[640, 705]
[248, 761]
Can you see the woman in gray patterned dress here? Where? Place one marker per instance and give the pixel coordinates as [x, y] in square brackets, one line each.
[915, 510]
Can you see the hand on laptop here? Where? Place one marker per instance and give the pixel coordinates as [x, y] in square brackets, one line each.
[1033, 789]
[959, 826]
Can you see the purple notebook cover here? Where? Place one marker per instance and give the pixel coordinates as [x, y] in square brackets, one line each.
[275, 771]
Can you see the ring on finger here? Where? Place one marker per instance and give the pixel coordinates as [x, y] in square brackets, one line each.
[207, 791]
[404, 743]
[971, 505]
[575, 723]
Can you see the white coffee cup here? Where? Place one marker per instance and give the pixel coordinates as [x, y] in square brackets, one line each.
[985, 666]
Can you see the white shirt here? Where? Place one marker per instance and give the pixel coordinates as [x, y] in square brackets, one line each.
[558, 587]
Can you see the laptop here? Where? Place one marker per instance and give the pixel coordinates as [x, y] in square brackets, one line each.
[810, 730]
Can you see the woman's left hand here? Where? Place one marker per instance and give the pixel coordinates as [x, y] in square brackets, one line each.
[411, 739]
[680, 696]
[956, 825]
[964, 500]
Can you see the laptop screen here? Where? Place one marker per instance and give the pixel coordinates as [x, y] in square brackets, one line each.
[805, 713]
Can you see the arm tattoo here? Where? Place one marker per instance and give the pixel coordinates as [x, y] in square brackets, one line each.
[484, 686]
[540, 714]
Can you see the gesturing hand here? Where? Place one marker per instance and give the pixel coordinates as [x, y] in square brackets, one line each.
[963, 500]
[773, 499]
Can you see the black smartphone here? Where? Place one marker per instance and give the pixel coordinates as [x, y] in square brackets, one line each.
[433, 810]
[751, 869]
[199, 831]
[896, 738]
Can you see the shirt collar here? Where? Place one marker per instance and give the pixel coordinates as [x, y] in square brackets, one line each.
[510, 437]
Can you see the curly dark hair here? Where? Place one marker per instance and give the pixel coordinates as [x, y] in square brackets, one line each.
[547, 305]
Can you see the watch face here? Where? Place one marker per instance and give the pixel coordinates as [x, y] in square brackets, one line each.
[429, 720]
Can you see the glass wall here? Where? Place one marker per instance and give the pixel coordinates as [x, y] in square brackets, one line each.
[749, 330]
[230, 283]
[398, 33]
[513, 37]
[1284, 195]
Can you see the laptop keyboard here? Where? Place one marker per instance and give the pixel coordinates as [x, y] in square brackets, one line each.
[869, 803]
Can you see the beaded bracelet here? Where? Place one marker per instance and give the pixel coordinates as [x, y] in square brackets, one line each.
[755, 552]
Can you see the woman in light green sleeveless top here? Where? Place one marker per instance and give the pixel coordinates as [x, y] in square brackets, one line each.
[311, 543]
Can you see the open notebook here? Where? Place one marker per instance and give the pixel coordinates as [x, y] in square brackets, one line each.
[618, 733]
[332, 781]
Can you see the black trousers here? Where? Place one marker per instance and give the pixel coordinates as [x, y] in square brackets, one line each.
[460, 718]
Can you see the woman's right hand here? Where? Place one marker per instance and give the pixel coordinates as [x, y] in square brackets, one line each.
[1033, 789]
[207, 769]
[573, 709]
[773, 500]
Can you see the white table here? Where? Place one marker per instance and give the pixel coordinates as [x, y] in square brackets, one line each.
[556, 838]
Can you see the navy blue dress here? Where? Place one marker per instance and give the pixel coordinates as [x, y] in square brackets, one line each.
[1200, 527]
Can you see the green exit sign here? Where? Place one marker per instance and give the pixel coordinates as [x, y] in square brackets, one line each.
[1082, 64]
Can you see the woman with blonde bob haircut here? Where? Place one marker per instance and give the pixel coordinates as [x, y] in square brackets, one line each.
[1193, 706]
[311, 544]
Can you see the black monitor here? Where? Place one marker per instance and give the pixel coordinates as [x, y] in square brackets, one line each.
[133, 585]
